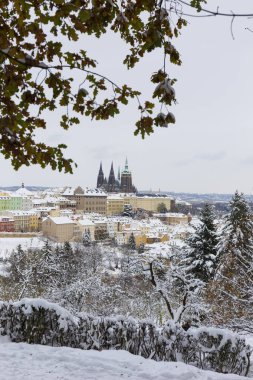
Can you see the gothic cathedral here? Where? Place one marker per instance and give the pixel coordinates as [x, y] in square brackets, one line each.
[121, 184]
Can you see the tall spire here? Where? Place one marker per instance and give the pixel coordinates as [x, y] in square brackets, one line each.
[119, 174]
[126, 170]
[100, 178]
[126, 165]
[100, 169]
[111, 180]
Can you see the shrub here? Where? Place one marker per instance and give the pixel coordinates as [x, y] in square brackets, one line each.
[40, 322]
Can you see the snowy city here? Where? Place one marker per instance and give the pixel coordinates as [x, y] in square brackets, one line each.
[126, 192]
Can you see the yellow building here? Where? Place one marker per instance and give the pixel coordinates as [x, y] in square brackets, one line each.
[173, 218]
[25, 221]
[159, 238]
[34, 223]
[88, 200]
[140, 239]
[116, 202]
[60, 229]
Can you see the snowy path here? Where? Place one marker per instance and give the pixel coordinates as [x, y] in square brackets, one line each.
[20, 361]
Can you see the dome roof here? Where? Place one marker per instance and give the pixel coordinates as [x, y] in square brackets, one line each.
[23, 191]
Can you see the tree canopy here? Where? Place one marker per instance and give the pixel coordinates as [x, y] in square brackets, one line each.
[36, 69]
[38, 58]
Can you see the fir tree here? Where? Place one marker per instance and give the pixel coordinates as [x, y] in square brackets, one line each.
[233, 282]
[201, 256]
[87, 238]
[236, 235]
[132, 242]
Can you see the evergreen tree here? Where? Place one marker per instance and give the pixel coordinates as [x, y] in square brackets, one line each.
[132, 242]
[161, 208]
[87, 238]
[236, 234]
[201, 256]
[233, 282]
[128, 210]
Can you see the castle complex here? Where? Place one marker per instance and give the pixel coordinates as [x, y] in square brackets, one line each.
[121, 184]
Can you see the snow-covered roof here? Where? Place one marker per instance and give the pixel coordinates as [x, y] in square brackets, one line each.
[22, 213]
[38, 201]
[86, 222]
[61, 220]
[44, 208]
[66, 211]
[100, 221]
[94, 192]
[119, 219]
[170, 215]
[69, 191]
[56, 200]
[24, 192]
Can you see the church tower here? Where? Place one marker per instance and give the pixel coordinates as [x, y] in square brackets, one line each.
[100, 179]
[126, 180]
[111, 180]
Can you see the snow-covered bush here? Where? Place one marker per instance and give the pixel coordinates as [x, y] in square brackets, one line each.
[220, 350]
[41, 322]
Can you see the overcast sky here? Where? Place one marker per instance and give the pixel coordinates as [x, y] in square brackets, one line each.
[209, 149]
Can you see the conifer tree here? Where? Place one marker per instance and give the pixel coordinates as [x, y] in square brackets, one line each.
[201, 256]
[233, 282]
[236, 235]
[132, 242]
[87, 238]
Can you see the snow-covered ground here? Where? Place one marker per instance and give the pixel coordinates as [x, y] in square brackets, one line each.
[20, 361]
[8, 244]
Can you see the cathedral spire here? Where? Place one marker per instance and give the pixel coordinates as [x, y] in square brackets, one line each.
[100, 179]
[100, 169]
[111, 180]
[126, 165]
[126, 170]
[111, 175]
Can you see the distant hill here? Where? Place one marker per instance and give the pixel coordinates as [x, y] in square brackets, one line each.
[197, 197]
[31, 188]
